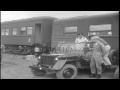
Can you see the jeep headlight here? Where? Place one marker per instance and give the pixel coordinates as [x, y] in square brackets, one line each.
[39, 57]
[56, 58]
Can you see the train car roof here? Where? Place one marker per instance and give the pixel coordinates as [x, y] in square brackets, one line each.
[42, 18]
[85, 17]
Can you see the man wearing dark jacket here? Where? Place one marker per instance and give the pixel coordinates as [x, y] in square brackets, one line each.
[106, 49]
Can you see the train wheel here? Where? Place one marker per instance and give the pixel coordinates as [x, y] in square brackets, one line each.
[37, 49]
[114, 56]
[25, 51]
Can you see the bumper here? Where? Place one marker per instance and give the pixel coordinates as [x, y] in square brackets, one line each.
[34, 67]
[46, 68]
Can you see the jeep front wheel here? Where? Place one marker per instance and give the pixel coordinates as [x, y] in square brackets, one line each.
[116, 74]
[37, 72]
[67, 72]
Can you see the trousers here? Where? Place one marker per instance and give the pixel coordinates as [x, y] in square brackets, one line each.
[95, 64]
[105, 57]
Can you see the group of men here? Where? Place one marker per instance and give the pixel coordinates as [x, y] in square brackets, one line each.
[99, 54]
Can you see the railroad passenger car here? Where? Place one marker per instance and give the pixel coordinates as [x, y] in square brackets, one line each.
[106, 26]
[19, 35]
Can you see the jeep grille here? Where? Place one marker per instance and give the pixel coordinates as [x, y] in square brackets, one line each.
[48, 60]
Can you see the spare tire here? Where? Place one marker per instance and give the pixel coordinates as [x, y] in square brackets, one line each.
[114, 57]
[37, 49]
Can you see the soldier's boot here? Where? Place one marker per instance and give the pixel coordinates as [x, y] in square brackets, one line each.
[98, 76]
[92, 75]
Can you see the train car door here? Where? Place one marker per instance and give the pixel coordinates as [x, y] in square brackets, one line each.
[38, 35]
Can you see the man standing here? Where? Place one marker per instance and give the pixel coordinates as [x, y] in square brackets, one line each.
[106, 49]
[80, 41]
[97, 59]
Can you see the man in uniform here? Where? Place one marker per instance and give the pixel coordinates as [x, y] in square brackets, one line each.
[97, 59]
[106, 51]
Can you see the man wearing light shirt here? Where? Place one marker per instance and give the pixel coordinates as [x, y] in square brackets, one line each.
[80, 41]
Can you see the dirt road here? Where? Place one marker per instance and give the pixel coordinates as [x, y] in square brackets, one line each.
[17, 67]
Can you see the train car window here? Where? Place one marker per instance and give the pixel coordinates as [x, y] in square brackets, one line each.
[103, 27]
[23, 30]
[3, 32]
[100, 33]
[14, 31]
[100, 30]
[7, 32]
[29, 30]
[70, 29]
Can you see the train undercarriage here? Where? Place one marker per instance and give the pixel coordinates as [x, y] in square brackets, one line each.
[35, 49]
[17, 49]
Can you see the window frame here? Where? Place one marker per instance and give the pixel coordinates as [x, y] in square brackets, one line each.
[28, 30]
[100, 27]
[108, 33]
[3, 31]
[23, 30]
[15, 29]
[7, 31]
[75, 28]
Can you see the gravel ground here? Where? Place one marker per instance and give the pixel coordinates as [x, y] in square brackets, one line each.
[17, 67]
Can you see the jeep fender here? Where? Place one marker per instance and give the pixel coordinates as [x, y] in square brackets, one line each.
[59, 64]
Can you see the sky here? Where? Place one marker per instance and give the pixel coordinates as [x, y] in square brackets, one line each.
[16, 15]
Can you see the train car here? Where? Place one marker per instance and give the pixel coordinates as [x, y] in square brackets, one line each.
[106, 26]
[24, 36]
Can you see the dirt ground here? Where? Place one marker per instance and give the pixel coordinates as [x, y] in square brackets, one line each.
[17, 67]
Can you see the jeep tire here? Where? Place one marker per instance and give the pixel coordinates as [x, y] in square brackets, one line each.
[69, 71]
[116, 74]
[38, 72]
[113, 56]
